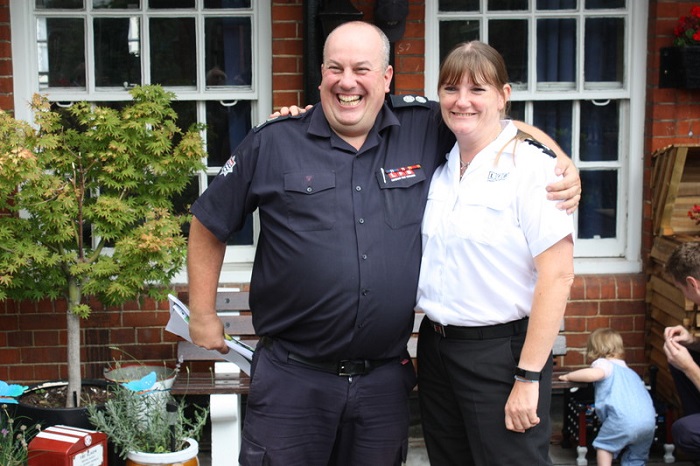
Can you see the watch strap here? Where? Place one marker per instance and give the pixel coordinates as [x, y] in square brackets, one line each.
[530, 376]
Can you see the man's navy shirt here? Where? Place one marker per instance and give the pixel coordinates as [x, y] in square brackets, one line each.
[338, 257]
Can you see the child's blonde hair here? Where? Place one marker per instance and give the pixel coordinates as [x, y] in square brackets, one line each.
[605, 343]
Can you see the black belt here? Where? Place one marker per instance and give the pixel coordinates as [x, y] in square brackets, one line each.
[344, 368]
[516, 327]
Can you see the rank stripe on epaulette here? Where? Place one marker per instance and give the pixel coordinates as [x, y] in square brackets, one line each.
[541, 146]
[523, 136]
[398, 101]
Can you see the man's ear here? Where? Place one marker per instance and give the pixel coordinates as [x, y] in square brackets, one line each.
[692, 283]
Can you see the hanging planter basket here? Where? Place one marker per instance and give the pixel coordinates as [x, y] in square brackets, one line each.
[679, 67]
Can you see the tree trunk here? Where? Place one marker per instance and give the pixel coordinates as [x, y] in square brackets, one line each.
[73, 347]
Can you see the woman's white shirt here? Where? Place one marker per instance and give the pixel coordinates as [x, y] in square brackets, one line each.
[481, 233]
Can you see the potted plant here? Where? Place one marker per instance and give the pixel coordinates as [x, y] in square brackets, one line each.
[148, 427]
[14, 438]
[87, 195]
[680, 64]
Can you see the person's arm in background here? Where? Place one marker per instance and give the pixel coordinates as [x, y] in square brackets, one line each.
[587, 375]
[680, 358]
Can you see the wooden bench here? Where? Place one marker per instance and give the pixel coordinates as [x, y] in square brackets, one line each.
[204, 372]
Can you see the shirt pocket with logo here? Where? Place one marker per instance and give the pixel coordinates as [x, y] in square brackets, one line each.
[310, 198]
[404, 198]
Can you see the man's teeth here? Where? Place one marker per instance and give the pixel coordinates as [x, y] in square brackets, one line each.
[352, 100]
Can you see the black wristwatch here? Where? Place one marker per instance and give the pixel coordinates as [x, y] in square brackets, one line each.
[529, 376]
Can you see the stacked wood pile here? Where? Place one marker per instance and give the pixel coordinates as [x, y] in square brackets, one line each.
[675, 185]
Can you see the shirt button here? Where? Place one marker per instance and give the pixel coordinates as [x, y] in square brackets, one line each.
[362, 220]
[365, 292]
[358, 188]
[309, 189]
[364, 256]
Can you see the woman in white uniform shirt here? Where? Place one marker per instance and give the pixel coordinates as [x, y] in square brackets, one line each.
[496, 272]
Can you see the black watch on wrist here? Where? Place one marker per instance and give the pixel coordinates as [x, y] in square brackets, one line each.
[532, 376]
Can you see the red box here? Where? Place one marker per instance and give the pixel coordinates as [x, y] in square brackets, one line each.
[68, 446]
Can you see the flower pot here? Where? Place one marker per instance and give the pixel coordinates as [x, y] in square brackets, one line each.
[49, 415]
[186, 457]
[165, 376]
[679, 67]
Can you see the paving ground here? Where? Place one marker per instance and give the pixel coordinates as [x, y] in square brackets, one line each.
[417, 455]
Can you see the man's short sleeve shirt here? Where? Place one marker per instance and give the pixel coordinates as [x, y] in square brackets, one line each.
[338, 256]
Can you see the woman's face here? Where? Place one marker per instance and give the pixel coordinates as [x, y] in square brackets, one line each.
[468, 107]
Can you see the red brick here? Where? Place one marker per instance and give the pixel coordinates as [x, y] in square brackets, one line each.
[581, 308]
[287, 47]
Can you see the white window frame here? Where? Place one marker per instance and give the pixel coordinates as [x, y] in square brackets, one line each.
[238, 261]
[623, 253]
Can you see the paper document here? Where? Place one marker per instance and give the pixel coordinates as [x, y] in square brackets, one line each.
[179, 324]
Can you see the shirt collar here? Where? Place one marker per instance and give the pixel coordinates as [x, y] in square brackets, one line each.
[319, 124]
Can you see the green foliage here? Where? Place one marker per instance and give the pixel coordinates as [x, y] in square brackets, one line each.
[135, 421]
[94, 171]
[14, 439]
[86, 204]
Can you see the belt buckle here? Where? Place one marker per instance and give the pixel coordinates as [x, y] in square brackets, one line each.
[343, 370]
[348, 368]
[439, 329]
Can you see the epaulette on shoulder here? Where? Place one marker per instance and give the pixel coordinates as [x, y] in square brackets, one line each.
[402, 101]
[274, 120]
[523, 136]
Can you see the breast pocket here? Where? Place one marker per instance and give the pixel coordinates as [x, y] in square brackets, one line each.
[311, 200]
[404, 198]
[486, 218]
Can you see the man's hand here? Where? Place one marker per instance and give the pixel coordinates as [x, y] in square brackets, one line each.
[678, 355]
[679, 334]
[568, 190]
[293, 111]
[207, 331]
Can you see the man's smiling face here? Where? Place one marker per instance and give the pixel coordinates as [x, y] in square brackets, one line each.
[355, 79]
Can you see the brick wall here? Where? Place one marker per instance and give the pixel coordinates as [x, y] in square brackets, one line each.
[32, 340]
[6, 95]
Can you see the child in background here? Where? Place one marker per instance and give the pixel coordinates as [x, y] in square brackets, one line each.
[622, 402]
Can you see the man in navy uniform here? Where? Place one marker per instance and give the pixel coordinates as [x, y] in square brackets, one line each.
[340, 192]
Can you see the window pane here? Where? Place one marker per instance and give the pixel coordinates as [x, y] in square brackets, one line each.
[517, 111]
[226, 4]
[604, 50]
[116, 4]
[173, 51]
[600, 132]
[458, 5]
[556, 50]
[228, 51]
[509, 37]
[556, 4]
[61, 47]
[554, 118]
[117, 51]
[455, 32]
[58, 4]
[604, 4]
[226, 128]
[172, 4]
[507, 5]
[598, 207]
